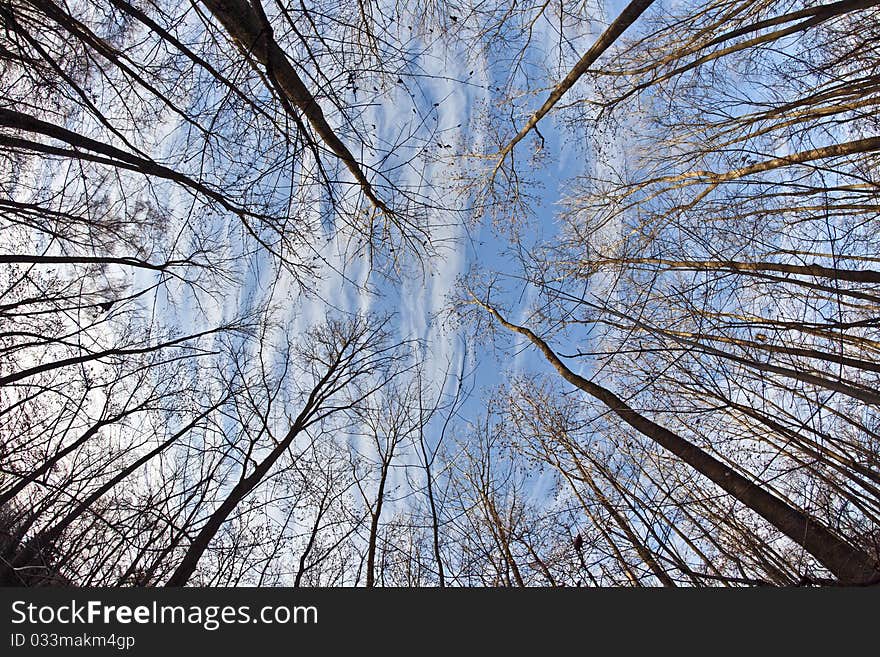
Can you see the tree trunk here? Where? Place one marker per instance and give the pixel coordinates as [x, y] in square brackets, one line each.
[849, 564]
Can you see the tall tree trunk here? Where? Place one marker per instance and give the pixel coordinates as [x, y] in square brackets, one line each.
[374, 525]
[244, 486]
[849, 564]
[247, 25]
[626, 18]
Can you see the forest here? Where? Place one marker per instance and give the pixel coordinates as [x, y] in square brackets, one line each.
[439, 293]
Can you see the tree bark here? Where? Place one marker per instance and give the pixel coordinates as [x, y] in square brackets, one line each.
[244, 23]
[849, 564]
[626, 18]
